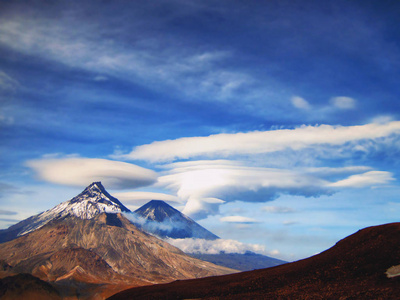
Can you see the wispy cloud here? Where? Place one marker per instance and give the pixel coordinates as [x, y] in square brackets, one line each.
[257, 142]
[82, 171]
[278, 209]
[238, 219]
[344, 102]
[202, 74]
[300, 103]
[7, 212]
[7, 83]
[366, 179]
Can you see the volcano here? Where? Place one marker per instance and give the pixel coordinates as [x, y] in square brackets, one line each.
[162, 220]
[88, 204]
[87, 249]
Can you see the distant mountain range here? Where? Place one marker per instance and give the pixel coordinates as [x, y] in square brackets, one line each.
[365, 265]
[86, 247]
[156, 217]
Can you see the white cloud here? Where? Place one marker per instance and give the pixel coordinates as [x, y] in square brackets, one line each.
[82, 171]
[204, 183]
[258, 142]
[238, 219]
[343, 102]
[215, 246]
[278, 209]
[300, 103]
[366, 179]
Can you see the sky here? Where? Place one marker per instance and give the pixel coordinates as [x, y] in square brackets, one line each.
[274, 124]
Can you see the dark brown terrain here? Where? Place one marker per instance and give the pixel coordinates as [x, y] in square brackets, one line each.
[93, 259]
[26, 286]
[355, 268]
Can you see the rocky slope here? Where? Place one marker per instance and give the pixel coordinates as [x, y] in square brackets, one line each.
[364, 265]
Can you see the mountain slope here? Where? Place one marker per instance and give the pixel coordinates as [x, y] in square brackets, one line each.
[162, 220]
[355, 268]
[105, 250]
[91, 202]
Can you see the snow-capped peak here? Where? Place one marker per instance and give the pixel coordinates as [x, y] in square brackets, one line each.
[92, 201]
[161, 219]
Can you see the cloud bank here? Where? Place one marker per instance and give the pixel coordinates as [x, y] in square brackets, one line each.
[258, 142]
[205, 185]
[215, 246]
[82, 171]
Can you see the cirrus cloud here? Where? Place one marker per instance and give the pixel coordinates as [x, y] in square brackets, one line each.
[82, 171]
[370, 178]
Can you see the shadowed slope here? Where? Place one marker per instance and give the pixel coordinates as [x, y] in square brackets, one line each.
[354, 268]
[27, 287]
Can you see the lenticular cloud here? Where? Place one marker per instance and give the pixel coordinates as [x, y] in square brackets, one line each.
[258, 142]
[81, 171]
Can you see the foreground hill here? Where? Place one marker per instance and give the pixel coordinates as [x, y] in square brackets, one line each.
[365, 265]
[27, 287]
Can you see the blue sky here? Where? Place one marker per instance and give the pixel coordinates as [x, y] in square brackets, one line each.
[274, 123]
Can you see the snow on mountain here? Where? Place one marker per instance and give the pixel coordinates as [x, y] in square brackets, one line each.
[92, 201]
[162, 220]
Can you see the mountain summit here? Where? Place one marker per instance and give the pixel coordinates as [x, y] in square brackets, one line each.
[163, 220]
[93, 201]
